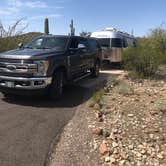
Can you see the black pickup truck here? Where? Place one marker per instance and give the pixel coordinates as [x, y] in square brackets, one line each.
[47, 63]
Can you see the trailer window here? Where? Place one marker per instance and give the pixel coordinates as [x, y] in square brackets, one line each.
[104, 42]
[125, 43]
[116, 42]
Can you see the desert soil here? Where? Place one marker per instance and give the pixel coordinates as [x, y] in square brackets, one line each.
[129, 123]
[124, 127]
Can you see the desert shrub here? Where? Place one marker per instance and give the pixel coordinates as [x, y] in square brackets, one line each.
[97, 97]
[158, 38]
[145, 59]
[160, 105]
[124, 88]
[111, 83]
[8, 43]
[142, 60]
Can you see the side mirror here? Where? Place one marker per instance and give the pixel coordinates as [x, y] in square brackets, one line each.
[20, 45]
[81, 46]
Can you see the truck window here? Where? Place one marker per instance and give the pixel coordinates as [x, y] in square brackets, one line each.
[74, 43]
[93, 44]
[84, 42]
[58, 43]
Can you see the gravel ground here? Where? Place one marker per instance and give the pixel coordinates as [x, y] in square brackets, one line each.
[75, 147]
[126, 127]
[129, 123]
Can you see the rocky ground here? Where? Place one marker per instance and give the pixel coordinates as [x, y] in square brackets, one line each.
[129, 122]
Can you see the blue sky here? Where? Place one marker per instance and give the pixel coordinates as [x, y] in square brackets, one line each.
[88, 15]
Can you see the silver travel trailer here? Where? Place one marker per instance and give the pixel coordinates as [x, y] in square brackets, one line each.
[113, 42]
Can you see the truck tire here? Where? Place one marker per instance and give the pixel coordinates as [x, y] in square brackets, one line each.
[56, 87]
[96, 69]
[6, 95]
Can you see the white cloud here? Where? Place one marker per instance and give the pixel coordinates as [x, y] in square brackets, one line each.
[8, 11]
[44, 16]
[16, 9]
[4, 12]
[15, 3]
[29, 4]
[36, 4]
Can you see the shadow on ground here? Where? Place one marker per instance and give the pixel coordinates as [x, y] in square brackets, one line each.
[111, 66]
[73, 95]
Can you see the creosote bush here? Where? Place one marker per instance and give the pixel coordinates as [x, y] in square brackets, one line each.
[124, 89]
[96, 98]
[144, 60]
[9, 43]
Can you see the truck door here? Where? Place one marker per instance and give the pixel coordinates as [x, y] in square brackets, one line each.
[85, 54]
[74, 59]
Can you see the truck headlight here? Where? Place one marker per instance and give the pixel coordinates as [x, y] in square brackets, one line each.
[42, 67]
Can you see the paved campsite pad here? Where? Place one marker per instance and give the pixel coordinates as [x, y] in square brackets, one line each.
[29, 125]
[75, 146]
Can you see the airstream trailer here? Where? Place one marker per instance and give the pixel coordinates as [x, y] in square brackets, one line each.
[113, 42]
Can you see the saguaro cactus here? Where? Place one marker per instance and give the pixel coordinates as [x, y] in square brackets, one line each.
[46, 26]
[72, 29]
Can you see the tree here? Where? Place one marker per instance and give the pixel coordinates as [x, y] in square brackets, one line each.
[85, 34]
[15, 29]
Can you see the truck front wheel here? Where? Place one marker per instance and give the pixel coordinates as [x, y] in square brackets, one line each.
[56, 87]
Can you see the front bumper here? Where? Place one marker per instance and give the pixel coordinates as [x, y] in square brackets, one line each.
[34, 83]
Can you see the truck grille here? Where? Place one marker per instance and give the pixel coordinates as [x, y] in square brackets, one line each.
[20, 67]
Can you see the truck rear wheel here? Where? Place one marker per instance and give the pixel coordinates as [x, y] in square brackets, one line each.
[96, 70]
[56, 87]
[6, 95]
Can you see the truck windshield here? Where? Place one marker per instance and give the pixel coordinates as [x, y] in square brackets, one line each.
[58, 43]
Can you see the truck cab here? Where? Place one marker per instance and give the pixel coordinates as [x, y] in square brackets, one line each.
[47, 63]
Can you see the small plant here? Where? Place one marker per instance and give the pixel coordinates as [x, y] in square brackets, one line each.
[124, 89]
[160, 105]
[112, 82]
[97, 98]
